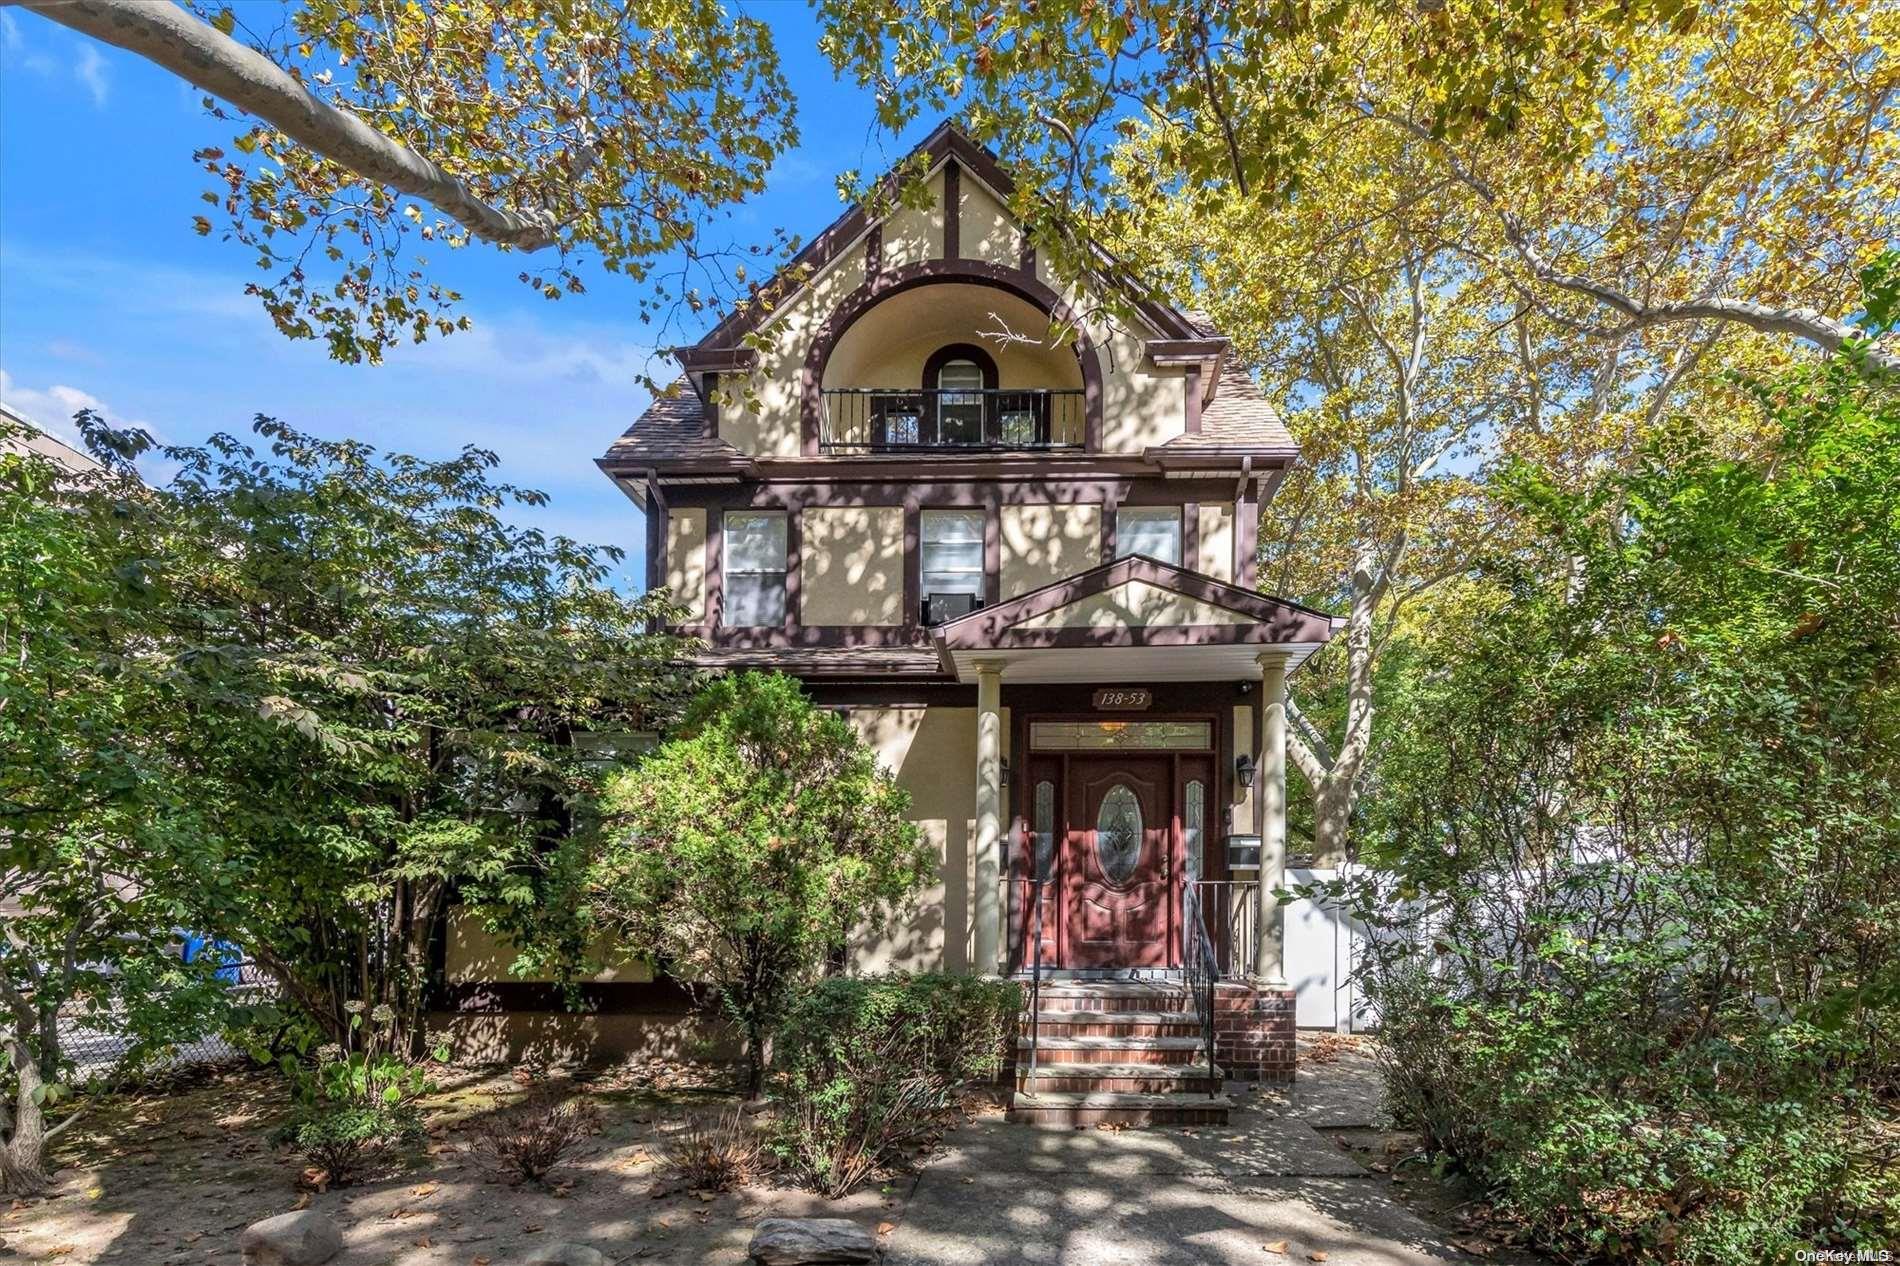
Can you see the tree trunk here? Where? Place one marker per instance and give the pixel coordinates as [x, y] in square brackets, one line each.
[22, 1158]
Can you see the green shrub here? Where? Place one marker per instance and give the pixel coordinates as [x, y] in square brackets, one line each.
[868, 1068]
[352, 1142]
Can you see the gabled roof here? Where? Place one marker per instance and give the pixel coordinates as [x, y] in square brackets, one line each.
[1136, 602]
[1235, 418]
[720, 347]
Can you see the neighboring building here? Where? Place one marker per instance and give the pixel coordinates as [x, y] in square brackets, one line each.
[19, 434]
[1024, 570]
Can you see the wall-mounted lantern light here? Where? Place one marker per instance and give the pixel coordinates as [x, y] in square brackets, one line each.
[1243, 769]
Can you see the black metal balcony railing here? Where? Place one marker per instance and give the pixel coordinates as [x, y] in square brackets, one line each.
[874, 420]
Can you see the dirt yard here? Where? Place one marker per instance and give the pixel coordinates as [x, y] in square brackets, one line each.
[170, 1179]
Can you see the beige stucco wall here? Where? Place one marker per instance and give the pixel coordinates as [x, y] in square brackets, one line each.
[987, 231]
[474, 954]
[889, 346]
[914, 234]
[1217, 541]
[1044, 543]
[686, 561]
[851, 565]
[1134, 605]
[1140, 406]
[768, 426]
[932, 753]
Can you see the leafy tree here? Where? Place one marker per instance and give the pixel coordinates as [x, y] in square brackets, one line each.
[100, 857]
[1638, 840]
[605, 132]
[393, 677]
[1639, 167]
[751, 844]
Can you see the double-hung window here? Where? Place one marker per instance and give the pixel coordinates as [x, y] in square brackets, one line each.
[952, 563]
[755, 570]
[1151, 530]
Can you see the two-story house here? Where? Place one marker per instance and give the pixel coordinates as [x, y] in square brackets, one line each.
[1022, 562]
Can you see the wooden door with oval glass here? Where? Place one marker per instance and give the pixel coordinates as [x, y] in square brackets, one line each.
[1118, 864]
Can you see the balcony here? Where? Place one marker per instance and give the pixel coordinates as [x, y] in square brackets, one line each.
[881, 420]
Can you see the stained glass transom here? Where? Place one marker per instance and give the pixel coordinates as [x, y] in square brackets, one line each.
[1078, 736]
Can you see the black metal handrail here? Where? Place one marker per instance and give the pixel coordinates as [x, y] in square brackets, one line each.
[879, 419]
[1202, 967]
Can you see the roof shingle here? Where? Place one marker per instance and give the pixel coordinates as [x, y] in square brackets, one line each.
[673, 428]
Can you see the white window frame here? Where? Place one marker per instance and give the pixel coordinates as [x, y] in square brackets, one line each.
[729, 520]
[977, 577]
[1125, 516]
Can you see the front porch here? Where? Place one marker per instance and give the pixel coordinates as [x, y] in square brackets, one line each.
[1144, 814]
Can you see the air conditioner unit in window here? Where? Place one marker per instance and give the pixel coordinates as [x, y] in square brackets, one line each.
[941, 607]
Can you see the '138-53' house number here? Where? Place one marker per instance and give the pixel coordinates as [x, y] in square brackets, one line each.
[1122, 700]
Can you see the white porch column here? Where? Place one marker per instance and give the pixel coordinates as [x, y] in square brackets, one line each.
[989, 814]
[1269, 959]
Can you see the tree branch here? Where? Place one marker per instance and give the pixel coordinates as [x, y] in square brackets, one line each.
[169, 36]
[1807, 324]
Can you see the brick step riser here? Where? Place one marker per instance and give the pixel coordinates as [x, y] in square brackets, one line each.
[1076, 1118]
[1115, 1028]
[1090, 1002]
[1116, 1055]
[1118, 1085]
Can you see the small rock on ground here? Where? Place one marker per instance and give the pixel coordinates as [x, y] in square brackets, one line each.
[811, 1241]
[566, 1254]
[304, 1238]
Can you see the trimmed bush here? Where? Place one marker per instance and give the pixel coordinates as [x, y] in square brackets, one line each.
[352, 1142]
[868, 1068]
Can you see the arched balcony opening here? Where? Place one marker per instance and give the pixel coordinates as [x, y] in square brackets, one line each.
[948, 364]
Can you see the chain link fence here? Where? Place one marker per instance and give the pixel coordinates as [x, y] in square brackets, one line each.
[99, 1053]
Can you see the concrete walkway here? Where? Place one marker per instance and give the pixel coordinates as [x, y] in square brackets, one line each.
[1012, 1193]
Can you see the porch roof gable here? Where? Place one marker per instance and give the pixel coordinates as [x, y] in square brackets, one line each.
[1134, 603]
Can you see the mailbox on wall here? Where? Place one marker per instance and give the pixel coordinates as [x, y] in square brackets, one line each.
[1243, 852]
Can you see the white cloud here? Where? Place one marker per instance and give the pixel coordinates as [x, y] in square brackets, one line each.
[90, 70]
[52, 408]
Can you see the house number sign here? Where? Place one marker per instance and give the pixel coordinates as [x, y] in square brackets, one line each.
[1122, 699]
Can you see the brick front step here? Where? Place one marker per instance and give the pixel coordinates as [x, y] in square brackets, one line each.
[1110, 1024]
[1071, 1109]
[1114, 997]
[1102, 1049]
[1143, 1079]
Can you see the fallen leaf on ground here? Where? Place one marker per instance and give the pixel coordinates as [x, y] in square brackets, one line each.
[1316, 1256]
[1278, 1246]
[885, 1228]
[303, 1202]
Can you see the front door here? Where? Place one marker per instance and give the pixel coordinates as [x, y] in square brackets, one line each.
[1118, 861]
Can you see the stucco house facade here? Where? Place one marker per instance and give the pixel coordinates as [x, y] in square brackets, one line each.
[1013, 540]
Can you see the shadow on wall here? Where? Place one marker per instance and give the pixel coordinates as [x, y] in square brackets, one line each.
[932, 753]
[561, 1038]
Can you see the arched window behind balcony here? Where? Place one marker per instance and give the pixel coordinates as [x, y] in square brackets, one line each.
[958, 381]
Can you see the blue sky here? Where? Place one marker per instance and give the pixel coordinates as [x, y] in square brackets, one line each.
[109, 299]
